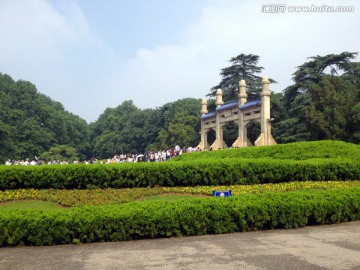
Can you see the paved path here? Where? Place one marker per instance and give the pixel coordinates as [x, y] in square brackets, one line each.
[320, 247]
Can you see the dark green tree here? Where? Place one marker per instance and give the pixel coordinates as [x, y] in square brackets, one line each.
[60, 152]
[182, 130]
[6, 145]
[112, 133]
[291, 127]
[302, 99]
[37, 122]
[163, 137]
[168, 111]
[319, 66]
[328, 114]
[355, 123]
[243, 67]
[127, 129]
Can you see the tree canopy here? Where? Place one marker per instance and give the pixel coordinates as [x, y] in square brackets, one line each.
[60, 153]
[312, 71]
[31, 123]
[322, 100]
[128, 129]
[243, 67]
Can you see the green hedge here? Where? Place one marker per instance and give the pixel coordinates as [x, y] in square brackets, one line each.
[322, 160]
[181, 218]
[197, 173]
[290, 151]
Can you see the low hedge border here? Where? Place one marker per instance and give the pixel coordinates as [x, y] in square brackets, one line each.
[182, 218]
[290, 151]
[169, 174]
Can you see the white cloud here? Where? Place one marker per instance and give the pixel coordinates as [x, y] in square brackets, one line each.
[283, 41]
[163, 75]
[36, 34]
[53, 48]
[56, 48]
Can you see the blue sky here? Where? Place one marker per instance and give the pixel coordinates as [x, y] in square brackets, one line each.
[94, 54]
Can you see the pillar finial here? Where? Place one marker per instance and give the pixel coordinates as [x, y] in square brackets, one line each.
[242, 93]
[265, 86]
[204, 106]
[219, 100]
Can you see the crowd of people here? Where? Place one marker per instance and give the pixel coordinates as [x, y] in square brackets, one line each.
[151, 156]
[148, 156]
[27, 162]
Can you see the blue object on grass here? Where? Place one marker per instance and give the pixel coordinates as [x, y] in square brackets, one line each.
[222, 193]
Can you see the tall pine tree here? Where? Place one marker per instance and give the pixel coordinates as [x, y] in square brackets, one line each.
[243, 67]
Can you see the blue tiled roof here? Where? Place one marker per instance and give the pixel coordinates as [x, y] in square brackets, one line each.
[229, 105]
[250, 104]
[208, 115]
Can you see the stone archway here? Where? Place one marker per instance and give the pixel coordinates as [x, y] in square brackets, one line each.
[240, 112]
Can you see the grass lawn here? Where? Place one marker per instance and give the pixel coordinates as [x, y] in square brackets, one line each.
[51, 199]
[171, 197]
[30, 204]
[48, 205]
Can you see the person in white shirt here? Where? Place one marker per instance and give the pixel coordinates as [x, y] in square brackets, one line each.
[33, 162]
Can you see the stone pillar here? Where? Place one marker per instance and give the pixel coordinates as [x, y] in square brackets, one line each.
[265, 137]
[265, 109]
[223, 145]
[218, 129]
[203, 143]
[241, 140]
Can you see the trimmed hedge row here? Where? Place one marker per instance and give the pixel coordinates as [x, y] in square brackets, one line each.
[169, 174]
[294, 151]
[181, 218]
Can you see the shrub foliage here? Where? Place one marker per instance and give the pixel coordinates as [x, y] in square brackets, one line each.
[315, 161]
[170, 174]
[291, 151]
[182, 218]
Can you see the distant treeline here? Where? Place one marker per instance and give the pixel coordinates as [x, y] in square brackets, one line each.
[323, 103]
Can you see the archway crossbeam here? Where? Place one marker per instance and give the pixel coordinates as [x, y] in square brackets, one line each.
[240, 112]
